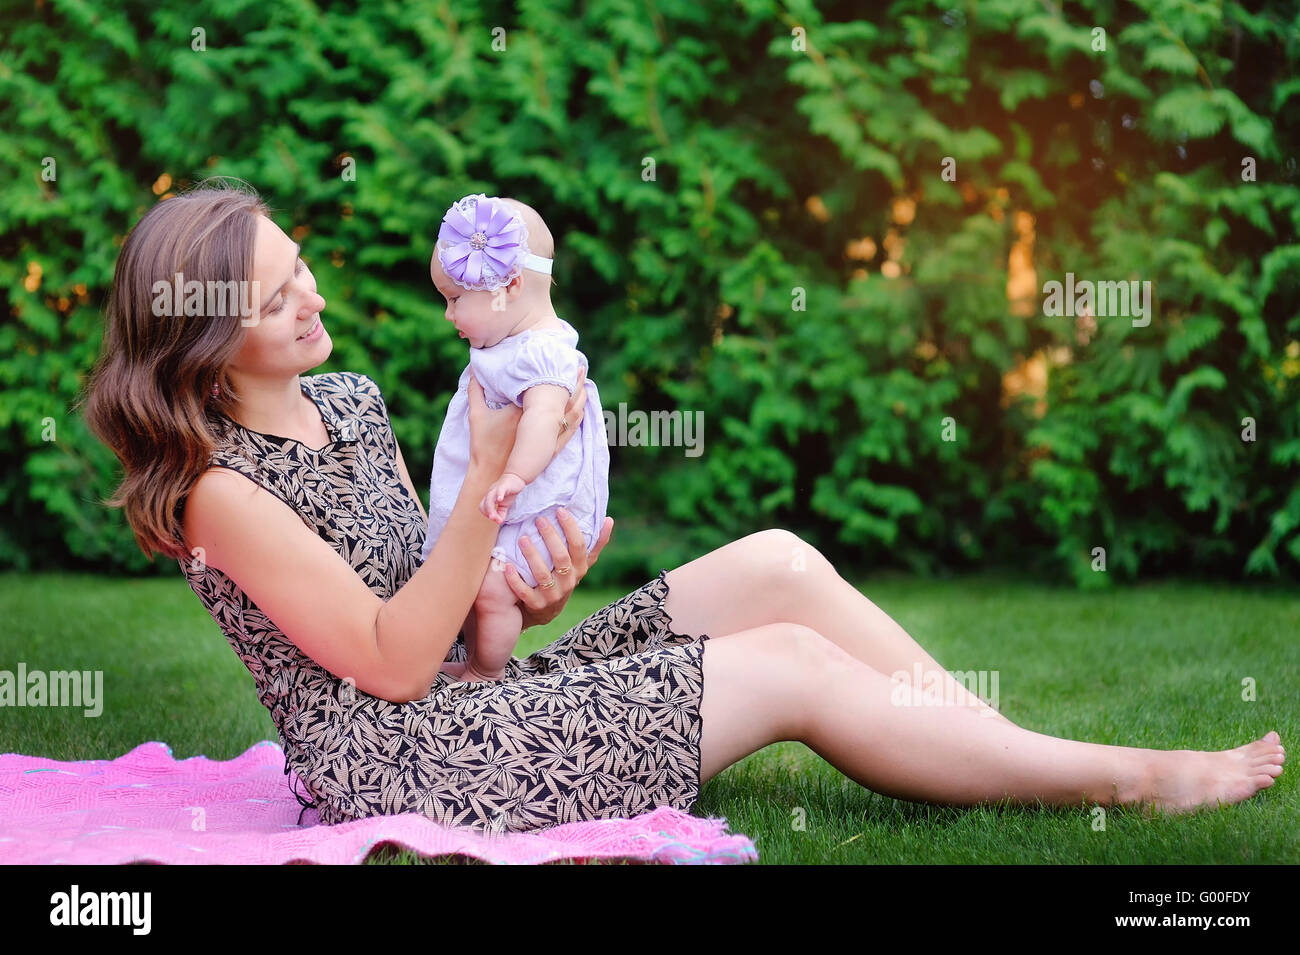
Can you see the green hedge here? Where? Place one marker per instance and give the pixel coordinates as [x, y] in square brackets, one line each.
[799, 269]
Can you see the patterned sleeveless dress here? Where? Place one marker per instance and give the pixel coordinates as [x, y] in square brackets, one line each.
[604, 722]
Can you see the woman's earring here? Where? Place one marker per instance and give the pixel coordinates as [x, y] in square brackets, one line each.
[216, 389]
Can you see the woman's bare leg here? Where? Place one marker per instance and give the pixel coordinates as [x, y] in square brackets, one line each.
[773, 576]
[786, 682]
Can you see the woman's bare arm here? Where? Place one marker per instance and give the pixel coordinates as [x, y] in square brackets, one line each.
[440, 593]
[390, 649]
[297, 579]
[320, 602]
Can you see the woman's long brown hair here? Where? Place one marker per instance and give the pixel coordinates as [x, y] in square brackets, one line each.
[149, 397]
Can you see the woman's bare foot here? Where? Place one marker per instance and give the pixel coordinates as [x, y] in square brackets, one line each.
[1186, 780]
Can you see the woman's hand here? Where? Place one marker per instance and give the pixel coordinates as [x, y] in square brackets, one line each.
[491, 432]
[574, 410]
[542, 604]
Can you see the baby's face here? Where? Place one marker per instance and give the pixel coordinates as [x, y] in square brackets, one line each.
[472, 312]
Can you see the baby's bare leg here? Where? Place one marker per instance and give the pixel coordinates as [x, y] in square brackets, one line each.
[469, 629]
[498, 623]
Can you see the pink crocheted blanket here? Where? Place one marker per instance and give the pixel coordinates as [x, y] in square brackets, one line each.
[148, 806]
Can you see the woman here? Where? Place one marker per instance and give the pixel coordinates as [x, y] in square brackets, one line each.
[288, 505]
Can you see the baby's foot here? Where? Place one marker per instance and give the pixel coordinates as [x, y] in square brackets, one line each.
[1187, 780]
[474, 674]
[456, 670]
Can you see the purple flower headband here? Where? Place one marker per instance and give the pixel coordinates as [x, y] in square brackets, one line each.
[483, 244]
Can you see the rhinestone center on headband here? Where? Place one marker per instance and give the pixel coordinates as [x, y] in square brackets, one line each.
[477, 241]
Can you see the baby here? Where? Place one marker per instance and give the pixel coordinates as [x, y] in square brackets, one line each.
[492, 263]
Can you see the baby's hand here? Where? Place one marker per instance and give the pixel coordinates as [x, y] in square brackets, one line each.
[496, 502]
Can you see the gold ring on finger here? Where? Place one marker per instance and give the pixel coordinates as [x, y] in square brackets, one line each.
[563, 571]
[549, 584]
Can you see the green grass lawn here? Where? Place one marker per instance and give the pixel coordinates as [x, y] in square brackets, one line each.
[1159, 666]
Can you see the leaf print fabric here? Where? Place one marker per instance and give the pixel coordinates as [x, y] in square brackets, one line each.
[602, 723]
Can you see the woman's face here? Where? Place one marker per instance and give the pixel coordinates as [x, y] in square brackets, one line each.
[275, 346]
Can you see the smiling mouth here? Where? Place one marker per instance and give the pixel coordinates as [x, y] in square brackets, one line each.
[310, 330]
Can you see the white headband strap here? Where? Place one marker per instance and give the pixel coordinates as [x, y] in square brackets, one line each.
[537, 263]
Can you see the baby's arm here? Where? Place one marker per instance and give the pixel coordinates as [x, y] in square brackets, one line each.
[538, 428]
[535, 437]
